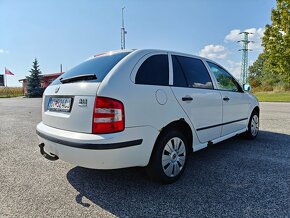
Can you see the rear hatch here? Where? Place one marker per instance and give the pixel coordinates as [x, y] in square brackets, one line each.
[68, 102]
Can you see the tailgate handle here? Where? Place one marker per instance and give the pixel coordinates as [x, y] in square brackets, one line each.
[187, 98]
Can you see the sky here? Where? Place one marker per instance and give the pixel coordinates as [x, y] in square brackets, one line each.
[69, 31]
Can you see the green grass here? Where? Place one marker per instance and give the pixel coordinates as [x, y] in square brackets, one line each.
[273, 96]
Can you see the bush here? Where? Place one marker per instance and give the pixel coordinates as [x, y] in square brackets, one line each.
[254, 82]
[282, 86]
[268, 88]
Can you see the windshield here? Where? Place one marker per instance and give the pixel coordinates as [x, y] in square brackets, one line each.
[100, 66]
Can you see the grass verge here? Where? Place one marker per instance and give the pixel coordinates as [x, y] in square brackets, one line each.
[273, 96]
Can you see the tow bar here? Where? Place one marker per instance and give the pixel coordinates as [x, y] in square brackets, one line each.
[51, 157]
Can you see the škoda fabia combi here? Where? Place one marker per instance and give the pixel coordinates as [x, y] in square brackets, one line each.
[147, 108]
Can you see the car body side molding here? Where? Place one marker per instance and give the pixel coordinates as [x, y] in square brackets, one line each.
[221, 124]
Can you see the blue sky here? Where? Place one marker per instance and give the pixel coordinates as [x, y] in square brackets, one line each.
[69, 31]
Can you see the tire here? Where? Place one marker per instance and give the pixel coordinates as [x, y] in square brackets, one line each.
[253, 126]
[169, 157]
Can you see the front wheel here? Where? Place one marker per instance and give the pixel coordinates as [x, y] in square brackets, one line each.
[253, 126]
[169, 157]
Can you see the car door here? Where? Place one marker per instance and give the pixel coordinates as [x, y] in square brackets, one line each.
[193, 89]
[235, 102]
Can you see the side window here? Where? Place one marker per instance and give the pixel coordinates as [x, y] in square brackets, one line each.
[154, 71]
[224, 79]
[193, 70]
[178, 75]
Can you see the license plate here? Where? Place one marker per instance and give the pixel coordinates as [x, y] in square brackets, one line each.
[59, 104]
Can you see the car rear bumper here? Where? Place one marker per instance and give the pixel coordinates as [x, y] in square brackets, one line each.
[131, 147]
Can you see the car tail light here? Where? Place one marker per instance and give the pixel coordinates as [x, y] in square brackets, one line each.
[108, 116]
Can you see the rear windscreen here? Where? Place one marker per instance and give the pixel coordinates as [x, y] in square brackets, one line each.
[100, 66]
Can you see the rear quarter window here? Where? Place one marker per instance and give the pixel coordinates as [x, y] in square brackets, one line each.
[100, 66]
[154, 71]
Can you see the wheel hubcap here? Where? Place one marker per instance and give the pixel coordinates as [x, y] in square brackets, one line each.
[173, 157]
[255, 125]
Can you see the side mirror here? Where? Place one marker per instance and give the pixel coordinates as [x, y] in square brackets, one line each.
[247, 87]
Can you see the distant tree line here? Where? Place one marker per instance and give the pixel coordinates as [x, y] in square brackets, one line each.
[271, 70]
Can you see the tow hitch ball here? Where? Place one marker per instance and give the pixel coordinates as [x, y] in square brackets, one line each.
[51, 157]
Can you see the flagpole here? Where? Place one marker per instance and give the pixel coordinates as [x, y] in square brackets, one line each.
[5, 77]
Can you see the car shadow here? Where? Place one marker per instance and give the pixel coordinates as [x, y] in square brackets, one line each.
[231, 178]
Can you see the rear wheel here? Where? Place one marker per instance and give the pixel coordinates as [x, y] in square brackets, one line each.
[169, 157]
[253, 126]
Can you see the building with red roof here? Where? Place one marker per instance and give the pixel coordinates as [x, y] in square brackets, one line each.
[45, 80]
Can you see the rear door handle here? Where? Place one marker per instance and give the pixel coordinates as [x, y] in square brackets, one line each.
[226, 99]
[187, 98]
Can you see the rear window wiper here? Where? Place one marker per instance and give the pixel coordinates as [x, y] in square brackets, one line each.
[78, 78]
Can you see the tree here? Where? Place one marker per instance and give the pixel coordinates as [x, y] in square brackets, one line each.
[33, 81]
[272, 68]
[256, 71]
[276, 41]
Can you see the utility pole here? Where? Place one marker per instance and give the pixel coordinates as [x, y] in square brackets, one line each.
[123, 31]
[245, 48]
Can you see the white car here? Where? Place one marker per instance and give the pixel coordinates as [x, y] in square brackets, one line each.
[147, 108]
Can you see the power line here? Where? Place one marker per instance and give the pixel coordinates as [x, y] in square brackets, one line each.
[245, 49]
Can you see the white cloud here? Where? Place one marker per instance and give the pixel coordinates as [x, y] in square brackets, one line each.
[234, 68]
[2, 51]
[282, 32]
[256, 36]
[233, 36]
[214, 52]
[225, 51]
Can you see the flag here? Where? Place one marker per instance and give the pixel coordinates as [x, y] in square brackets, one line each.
[8, 72]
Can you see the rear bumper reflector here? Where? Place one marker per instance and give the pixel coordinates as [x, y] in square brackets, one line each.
[90, 145]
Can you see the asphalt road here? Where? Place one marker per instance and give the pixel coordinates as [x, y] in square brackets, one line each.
[236, 178]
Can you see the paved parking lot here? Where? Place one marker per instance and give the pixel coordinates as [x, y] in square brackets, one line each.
[236, 178]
